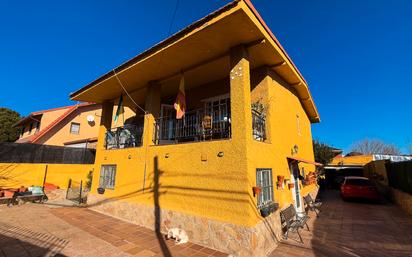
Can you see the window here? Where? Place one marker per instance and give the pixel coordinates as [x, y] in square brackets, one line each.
[298, 124]
[22, 130]
[37, 127]
[218, 107]
[30, 128]
[74, 128]
[107, 176]
[264, 181]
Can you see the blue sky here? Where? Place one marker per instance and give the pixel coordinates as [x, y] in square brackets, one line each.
[355, 55]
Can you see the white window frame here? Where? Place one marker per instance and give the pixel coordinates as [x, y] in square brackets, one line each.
[71, 128]
[219, 98]
[264, 180]
[107, 178]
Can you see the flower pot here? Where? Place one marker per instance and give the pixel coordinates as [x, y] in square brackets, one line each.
[8, 193]
[273, 207]
[265, 211]
[279, 185]
[291, 185]
[101, 190]
[256, 190]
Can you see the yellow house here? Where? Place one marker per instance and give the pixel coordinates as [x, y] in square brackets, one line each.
[72, 126]
[244, 143]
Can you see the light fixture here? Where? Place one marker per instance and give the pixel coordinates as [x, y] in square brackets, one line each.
[295, 149]
[220, 154]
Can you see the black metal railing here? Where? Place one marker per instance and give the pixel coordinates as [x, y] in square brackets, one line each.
[196, 125]
[258, 126]
[124, 137]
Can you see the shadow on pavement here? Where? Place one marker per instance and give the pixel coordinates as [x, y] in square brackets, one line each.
[18, 241]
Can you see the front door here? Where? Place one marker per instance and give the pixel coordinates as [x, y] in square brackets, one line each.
[294, 169]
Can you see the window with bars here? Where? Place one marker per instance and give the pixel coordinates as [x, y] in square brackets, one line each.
[107, 176]
[264, 181]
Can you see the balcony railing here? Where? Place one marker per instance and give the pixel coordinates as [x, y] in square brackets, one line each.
[258, 126]
[124, 137]
[196, 125]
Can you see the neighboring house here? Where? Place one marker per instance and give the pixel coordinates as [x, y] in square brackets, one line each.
[71, 126]
[203, 173]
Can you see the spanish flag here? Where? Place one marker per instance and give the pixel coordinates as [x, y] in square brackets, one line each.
[180, 103]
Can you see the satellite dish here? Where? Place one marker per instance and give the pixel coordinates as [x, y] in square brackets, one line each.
[90, 118]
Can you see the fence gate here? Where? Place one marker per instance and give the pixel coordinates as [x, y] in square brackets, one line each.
[75, 191]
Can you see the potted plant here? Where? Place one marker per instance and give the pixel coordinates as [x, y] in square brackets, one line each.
[256, 190]
[100, 190]
[273, 207]
[265, 211]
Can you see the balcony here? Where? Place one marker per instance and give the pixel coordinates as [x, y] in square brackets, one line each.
[258, 126]
[124, 137]
[196, 125]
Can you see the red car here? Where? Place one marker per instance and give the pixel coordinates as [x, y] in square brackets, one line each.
[358, 188]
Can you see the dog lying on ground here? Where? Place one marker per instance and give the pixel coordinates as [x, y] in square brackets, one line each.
[179, 235]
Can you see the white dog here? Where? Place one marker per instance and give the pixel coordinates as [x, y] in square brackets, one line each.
[179, 235]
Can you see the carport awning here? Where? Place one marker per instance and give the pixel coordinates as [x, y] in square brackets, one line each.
[304, 161]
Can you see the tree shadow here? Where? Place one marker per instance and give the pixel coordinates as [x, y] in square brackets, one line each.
[157, 209]
[18, 241]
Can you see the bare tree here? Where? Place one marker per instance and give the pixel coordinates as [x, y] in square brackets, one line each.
[375, 146]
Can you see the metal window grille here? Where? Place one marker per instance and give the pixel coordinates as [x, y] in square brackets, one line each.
[259, 126]
[124, 137]
[264, 181]
[107, 176]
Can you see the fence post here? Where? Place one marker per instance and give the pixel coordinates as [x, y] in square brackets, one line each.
[81, 189]
[45, 176]
[68, 187]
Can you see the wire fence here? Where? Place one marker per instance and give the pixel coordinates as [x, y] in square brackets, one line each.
[34, 153]
[400, 175]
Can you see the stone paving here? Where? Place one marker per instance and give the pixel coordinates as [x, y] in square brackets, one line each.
[351, 229]
[38, 230]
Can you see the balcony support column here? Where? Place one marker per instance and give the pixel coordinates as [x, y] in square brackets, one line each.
[152, 107]
[105, 123]
[240, 95]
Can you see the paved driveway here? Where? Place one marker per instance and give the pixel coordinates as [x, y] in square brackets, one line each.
[35, 230]
[352, 229]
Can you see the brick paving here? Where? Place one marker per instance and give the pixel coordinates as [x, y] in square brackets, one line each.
[344, 229]
[351, 229]
[36, 230]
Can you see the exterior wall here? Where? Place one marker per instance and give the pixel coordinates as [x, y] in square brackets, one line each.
[352, 160]
[377, 171]
[60, 134]
[189, 186]
[13, 175]
[282, 105]
[47, 118]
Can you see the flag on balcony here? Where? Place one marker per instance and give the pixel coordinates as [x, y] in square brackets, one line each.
[180, 102]
[120, 109]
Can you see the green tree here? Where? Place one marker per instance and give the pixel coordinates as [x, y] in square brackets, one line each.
[323, 152]
[7, 118]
